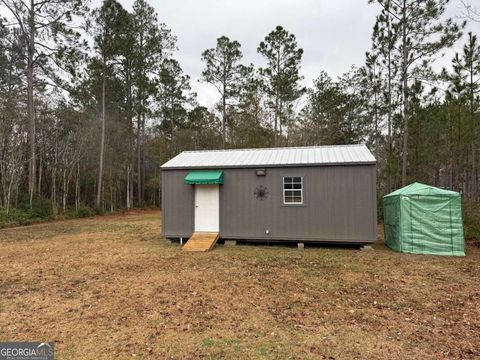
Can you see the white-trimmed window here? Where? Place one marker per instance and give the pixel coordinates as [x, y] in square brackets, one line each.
[293, 190]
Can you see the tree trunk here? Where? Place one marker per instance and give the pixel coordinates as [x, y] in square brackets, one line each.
[224, 117]
[111, 196]
[9, 193]
[132, 204]
[160, 189]
[40, 171]
[130, 110]
[30, 102]
[139, 159]
[451, 156]
[142, 156]
[405, 95]
[102, 141]
[77, 188]
[128, 187]
[375, 112]
[64, 194]
[275, 122]
[473, 137]
[54, 175]
[277, 102]
[280, 131]
[154, 192]
[389, 113]
[140, 127]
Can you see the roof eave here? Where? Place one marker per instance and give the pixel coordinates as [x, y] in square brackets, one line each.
[359, 163]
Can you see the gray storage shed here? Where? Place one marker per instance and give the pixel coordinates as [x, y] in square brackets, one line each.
[307, 194]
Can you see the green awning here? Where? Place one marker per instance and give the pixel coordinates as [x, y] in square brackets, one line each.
[204, 177]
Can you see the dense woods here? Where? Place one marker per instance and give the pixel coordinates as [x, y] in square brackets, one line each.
[93, 101]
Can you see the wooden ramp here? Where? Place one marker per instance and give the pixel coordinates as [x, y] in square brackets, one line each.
[201, 241]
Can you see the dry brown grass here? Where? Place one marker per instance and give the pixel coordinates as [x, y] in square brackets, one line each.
[110, 287]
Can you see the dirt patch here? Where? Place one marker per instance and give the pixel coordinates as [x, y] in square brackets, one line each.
[110, 287]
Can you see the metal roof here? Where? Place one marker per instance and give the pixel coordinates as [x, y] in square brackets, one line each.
[273, 157]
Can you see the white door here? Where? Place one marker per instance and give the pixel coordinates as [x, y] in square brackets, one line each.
[207, 208]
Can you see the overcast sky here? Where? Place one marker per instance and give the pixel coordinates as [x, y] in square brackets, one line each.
[334, 33]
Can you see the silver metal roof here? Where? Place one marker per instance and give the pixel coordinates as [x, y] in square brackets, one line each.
[273, 157]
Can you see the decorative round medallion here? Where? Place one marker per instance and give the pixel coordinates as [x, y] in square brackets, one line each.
[261, 193]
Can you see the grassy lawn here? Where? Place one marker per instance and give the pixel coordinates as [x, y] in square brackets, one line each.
[110, 287]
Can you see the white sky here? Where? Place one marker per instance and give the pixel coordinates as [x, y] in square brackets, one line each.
[333, 33]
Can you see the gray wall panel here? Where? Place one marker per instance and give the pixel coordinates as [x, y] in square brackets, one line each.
[178, 202]
[339, 204]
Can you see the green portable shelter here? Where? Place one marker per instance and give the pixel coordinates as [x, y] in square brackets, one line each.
[422, 219]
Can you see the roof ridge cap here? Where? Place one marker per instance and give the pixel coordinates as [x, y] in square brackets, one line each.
[275, 148]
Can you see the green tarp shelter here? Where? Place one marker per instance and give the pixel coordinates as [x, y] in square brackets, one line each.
[422, 219]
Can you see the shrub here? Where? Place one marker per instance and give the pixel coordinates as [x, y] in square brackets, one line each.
[85, 211]
[41, 210]
[14, 217]
[82, 212]
[471, 220]
[379, 208]
[41, 207]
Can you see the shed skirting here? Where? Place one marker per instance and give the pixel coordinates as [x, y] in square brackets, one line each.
[285, 239]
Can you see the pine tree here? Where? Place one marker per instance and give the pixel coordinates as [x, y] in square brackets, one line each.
[108, 20]
[385, 68]
[153, 43]
[420, 34]
[466, 71]
[223, 70]
[335, 112]
[173, 97]
[282, 74]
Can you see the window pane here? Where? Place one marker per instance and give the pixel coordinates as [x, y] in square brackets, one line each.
[292, 190]
[297, 199]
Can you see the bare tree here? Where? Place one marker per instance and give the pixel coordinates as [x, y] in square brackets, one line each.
[470, 12]
[48, 39]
